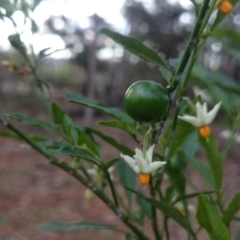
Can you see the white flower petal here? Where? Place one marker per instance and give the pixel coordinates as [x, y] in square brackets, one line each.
[205, 109]
[142, 164]
[149, 154]
[212, 114]
[190, 119]
[130, 161]
[138, 153]
[155, 165]
[200, 113]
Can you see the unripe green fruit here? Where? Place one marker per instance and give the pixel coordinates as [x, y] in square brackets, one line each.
[146, 101]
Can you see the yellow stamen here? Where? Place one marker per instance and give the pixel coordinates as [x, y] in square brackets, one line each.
[225, 7]
[205, 131]
[144, 178]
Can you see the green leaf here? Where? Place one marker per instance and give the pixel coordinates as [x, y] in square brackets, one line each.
[227, 32]
[35, 122]
[127, 178]
[126, 127]
[169, 211]
[190, 195]
[200, 167]
[130, 236]
[122, 148]
[167, 74]
[182, 132]
[112, 162]
[114, 112]
[144, 206]
[36, 3]
[209, 77]
[75, 226]
[16, 42]
[84, 137]
[83, 153]
[58, 115]
[232, 209]
[10, 134]
[177, 177]
[210, 220]
[215, 159]
[135, 46]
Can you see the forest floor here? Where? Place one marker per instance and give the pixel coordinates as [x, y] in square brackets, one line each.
[32, 191]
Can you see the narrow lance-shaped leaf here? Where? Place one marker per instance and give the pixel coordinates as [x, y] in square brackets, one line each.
[35, 122]
[200, 167]
[136, 47]
[114, 112]
[184, 129]
[215, 159]
[145, 206]
[122, 148]
[210, 220]
[126, 127]
[75, 226]
[227, 32]
[232, 209]
[127, 178]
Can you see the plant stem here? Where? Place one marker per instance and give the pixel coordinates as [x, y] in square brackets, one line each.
[64, 166]
[193, 40]
[154, 214]
[192, 43]
[165, 223]
[111, 187]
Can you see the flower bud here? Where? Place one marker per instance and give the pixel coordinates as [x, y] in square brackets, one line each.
[225, 7]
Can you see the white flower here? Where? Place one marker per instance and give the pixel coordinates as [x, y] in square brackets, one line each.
[143, 164]
[204, 118]
[227, 134]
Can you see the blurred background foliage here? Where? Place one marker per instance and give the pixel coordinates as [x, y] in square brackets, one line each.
[99, 68]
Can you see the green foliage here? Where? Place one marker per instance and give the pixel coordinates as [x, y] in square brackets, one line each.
[232, 209]
[135, 46]
[127, 178]
[130, 129]
[215, 159]
[35, 122]
[114, 112]
[168, 211]
[209, 219]
[180, 140]
[75, 226]
[144, 206]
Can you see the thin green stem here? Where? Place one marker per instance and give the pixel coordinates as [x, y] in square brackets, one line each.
[192, 43]
[111, 187]
[189, 70]
[165, 223]
[154, 214]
